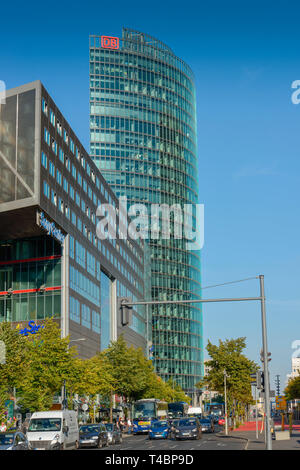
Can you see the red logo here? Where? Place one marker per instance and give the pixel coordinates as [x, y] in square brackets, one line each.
[109, 42]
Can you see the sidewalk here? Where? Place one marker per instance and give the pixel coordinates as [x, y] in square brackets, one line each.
[247, 432]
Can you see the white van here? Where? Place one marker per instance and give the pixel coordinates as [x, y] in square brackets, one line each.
[195, 410]
[53, 430]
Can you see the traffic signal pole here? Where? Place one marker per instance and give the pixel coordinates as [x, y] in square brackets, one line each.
[264, 337]
[265, 363]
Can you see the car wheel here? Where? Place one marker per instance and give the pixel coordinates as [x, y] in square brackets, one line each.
[76, 445]
[121, 439]
[113, 441]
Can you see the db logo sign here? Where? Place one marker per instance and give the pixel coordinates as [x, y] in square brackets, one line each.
[109, 42]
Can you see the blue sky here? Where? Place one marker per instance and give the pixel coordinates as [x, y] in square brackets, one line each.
[245, 56]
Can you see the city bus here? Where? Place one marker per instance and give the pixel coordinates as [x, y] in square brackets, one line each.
[217, 409]
[178, 409]
[145, 411]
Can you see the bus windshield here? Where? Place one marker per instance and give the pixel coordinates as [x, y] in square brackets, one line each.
[177, 409]
[144, 410]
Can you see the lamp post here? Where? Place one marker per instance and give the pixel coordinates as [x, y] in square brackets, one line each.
[63, 389]
[225, 398]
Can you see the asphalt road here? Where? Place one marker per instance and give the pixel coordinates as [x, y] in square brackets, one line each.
[214, 441]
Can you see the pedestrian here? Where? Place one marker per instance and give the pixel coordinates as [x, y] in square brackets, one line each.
[3, 427]
[129, 426]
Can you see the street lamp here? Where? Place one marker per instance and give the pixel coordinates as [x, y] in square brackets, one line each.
[63, 389]
[225, 399]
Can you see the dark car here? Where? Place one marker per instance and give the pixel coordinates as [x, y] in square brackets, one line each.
[207, 425]
[93, 435]
[187, 428]
[114, 434]
[15, 440]
[159, 430]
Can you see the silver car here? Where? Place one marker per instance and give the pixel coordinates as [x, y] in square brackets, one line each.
[114, 434]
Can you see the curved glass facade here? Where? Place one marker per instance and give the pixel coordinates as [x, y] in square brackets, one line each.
[143, 139]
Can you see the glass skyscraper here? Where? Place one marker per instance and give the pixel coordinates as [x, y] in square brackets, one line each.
[143, 140]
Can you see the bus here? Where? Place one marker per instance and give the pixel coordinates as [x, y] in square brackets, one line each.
[145, 411]
[178, 409]
[215, 408]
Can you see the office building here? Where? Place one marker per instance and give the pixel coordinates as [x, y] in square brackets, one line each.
[143, 139]
[52, 264]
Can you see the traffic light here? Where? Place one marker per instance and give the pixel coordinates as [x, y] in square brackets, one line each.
[262, 356]
[124, 311]
[258, 379]
[262, 381]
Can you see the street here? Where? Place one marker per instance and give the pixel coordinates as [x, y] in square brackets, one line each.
[214, 441]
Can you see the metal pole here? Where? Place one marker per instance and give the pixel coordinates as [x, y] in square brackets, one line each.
[147, 330]
[225, 398]
[256, 413]
[266, 368]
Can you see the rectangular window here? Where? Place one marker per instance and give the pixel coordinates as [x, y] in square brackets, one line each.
[52, 117]
[46, 136]
[44, 107]
[66, 185]
[61, 155]
[51, 169]
[59, 177]
[46, 189]
[44, 160]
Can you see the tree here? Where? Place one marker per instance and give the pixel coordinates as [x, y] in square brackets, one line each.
[50, 361]
[130, 369]
[292, 391]
[16, 366]
[228, 357]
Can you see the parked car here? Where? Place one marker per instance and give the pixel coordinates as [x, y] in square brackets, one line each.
[207, 425]
[221, 421]
[93, 435]
[13, 441]
[159, 430]
[53, 430]
[114, 434]
[187, 428]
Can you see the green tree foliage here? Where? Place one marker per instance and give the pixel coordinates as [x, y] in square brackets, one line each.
[292, 391]
[37, 366]
[228, 356]
[50, 362]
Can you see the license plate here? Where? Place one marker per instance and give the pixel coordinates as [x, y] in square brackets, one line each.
[185, 433]
[144, 423]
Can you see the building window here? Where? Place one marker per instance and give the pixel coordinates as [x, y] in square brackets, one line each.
[46, 189]
[52, 117]
[44, 160]
[51, 169]
[44, 107]
[86, 316]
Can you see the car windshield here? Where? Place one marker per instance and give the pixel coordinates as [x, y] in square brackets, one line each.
[109, 427]
[186, 422]
[89, 428]
[45, 424]
[6, 439]
[205, 421]
[160, 424]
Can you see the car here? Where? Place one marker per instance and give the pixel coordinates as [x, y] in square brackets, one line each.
[159, 430]
[215, 418]
[221, 421]
[53, 430]
[207, 425]
[114, 434]
[15, 440]
[93, 435]
[187, 428]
